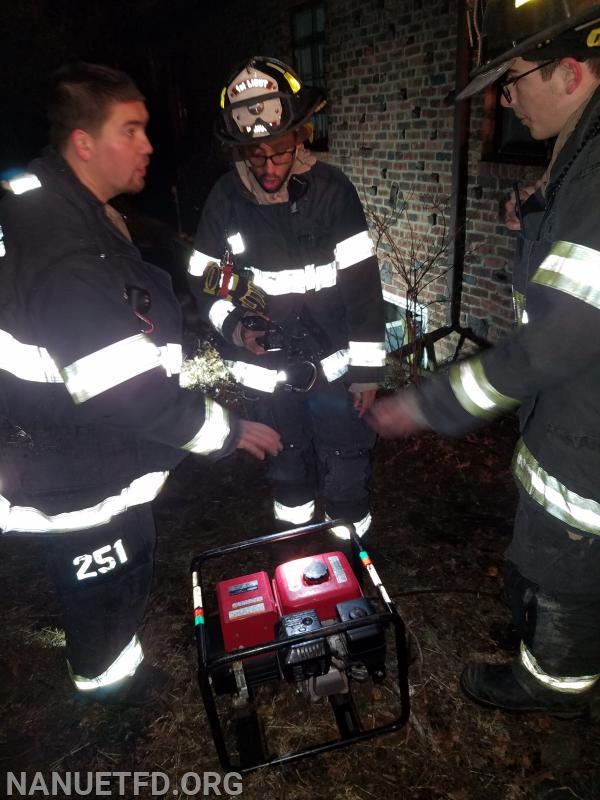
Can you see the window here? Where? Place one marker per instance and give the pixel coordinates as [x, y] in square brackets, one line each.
[505, 139]
[308, 42]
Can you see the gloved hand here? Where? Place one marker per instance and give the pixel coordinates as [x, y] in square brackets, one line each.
[228, 285]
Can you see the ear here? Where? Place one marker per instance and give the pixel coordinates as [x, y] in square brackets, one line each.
[82, 143]
[573, 74]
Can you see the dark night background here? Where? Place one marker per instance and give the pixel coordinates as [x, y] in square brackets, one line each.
[177, 51]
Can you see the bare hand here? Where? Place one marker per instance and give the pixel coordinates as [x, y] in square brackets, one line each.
[259, 440]
[364, 400]
[250, 337]
[512, 219]
[396, 416]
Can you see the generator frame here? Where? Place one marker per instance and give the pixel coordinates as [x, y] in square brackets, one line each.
[346, 715]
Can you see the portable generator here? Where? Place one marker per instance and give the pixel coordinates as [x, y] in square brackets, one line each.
[308, 626]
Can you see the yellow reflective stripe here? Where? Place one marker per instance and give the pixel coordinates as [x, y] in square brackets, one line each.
[519, 307]
[361, 527]
[27, 361]
[571, 508]
[366, 354]
[198, 263]
[23, 183]
[253, 376]
[124, 666]
[219, 311]
[336, 364]
[576, 685]
[573, 269]
[354, 250]
[118, 362]
[294, 514]
[213, 432]
[22, 519]
[296, 281]
[475, 393]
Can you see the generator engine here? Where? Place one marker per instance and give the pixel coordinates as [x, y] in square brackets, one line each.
[306, 597]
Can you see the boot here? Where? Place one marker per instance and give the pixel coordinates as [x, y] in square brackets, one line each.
[149, 686]
[509, 687]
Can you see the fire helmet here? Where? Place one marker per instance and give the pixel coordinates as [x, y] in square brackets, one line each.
[535, 30]
[264, 98]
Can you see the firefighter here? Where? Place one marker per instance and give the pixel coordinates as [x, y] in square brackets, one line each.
[310, 363]
[90, 356]
[546, 57]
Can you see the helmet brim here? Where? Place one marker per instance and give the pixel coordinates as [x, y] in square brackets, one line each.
[300, 107]
[484, 79]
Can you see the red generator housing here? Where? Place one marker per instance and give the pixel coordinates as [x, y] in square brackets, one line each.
[247, 610]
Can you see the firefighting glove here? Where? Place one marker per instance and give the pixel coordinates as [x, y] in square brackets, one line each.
[222, 282]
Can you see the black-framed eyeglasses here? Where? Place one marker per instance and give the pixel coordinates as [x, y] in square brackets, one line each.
[284, 157]
[504, 84]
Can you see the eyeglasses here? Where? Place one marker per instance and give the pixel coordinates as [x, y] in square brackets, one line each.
[505, 84]
[284, 157]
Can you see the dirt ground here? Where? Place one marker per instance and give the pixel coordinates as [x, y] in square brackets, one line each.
[442, 517]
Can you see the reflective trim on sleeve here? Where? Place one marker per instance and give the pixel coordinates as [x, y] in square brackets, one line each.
[118, 362]
[124, 666]
[335, 365]
[582, 683]
[354, 250]
[576, 511]
[22, 183]
[573, 269]
[361, 527]
[253, 376]
[198, 263]
[296, 281]
[296, 515]
[366, 354]
[219, 311]
[23, 519]
[27, 361]
[475, 393]
[214, 431]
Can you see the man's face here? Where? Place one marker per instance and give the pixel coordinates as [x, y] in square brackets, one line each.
[537, 103]
[271, 176]
[120, 152]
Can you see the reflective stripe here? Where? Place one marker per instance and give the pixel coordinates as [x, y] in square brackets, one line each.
[361, 527]
[294, 514]
[519, 307]
[27, 361]
[198, 263]
[124, 666]
[573, 269]
[335, 365]
[571, 508]
[236, 243]
[576, 685]
[354, 250]
[296, 281]
[214, 431]
[219, 311]
[118, 362]
[367, 354]
[475, 393]
[23, 183]
[22, 519]
[253, 376]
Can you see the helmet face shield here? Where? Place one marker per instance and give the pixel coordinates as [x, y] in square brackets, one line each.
[536, 30]
[263, 100]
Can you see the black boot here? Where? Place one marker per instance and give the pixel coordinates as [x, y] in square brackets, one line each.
[510, 687]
